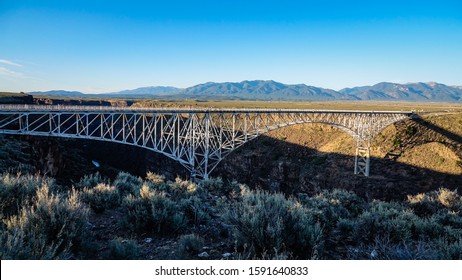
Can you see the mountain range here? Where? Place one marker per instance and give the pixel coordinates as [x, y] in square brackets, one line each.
[271, 90]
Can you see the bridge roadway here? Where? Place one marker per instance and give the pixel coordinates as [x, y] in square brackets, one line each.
[197, 138]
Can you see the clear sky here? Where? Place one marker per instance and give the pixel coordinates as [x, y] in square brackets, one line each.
[102, 46]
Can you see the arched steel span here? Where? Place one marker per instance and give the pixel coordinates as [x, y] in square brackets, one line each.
[197, 138]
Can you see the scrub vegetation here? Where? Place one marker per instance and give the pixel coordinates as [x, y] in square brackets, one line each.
[183, 219]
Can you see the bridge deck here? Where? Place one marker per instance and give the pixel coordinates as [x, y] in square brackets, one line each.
[111, 109]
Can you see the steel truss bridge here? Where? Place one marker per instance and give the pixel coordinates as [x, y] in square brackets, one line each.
[197, 138]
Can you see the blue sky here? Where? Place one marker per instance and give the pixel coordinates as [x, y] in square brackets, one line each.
[103, 46]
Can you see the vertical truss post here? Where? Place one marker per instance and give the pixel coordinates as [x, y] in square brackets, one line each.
[245, 127]
[102, 118]
[124, 116]
[192, 147]
[207, 145]
[50, 123]
[22, 123]
[220, 136]
[362, 161]
[111, 128]
[176, 148]
[27, 122]
[87, 125]
[59, 123]
[143, 131]
[234, 132]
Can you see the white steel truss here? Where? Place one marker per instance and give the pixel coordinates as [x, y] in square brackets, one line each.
[197, 138]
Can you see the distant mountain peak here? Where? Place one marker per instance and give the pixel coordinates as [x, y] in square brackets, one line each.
[273, 90]
[430, 91]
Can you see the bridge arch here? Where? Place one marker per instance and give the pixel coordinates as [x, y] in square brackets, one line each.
[197, 138]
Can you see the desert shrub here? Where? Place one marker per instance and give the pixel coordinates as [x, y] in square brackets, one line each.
[447, 218]
[90, 181]
[399, 224]
[324, 213]
[218, 187]
[52, 228]
[154, 178]
[196, 210]
[343, 232]
[446, 226]
[146, 192]
[213, 184]
[119, 249]
[235, 189]
[426, 204]
[422, 204]
[19, 190]
[127, 184]
[137, 213]
[247, 254]
[426, 229]
[385, 219]
[383, 249]
[391, 230]
[152, 211]
[101, 197]
[166, 215]
[189, 245]
[346, 199]
[329, 207]
[18, 244]
[448, 250]
[267, 223]
[448, 198]
[181, 188]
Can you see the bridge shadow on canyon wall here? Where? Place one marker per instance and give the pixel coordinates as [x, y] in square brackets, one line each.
[292, 160]
[293, 168]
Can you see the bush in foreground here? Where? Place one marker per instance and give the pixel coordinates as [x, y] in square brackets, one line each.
[268, 224]
[19, 190]
[101, 197]
[52, 228]
[119, 249]
[153, 211]
[189, 245]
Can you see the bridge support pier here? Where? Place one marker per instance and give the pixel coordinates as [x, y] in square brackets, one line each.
[362, 161]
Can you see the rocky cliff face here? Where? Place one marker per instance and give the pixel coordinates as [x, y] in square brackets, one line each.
[49, 159]
[68, 160]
